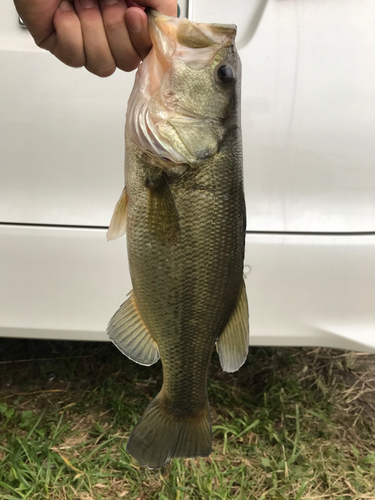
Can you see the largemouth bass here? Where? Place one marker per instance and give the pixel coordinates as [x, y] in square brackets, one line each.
[184, 212]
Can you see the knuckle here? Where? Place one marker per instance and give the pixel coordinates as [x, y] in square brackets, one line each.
[42, 44]
[73, 59]
[128, 65]
[103, 70]
[75, 64]
[114, 23]
[127, 68]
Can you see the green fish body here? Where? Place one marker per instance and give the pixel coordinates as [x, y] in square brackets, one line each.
[184, 211]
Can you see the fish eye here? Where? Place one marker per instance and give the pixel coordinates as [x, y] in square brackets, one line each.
[225, 73]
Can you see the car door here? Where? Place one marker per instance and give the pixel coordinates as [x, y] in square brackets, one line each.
[308, 116]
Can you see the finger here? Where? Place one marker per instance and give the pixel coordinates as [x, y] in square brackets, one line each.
[38, 17]
[136, 21]
[99, 59]
[123, 52]
[167, 7]
[68, 40]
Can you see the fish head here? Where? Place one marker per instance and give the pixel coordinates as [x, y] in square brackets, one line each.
[186, 93]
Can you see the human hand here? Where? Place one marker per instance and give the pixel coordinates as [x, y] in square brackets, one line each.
[98, 34]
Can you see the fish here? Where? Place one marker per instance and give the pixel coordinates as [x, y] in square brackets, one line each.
[183, 212]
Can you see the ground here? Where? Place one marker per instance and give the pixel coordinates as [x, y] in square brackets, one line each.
[291, 424]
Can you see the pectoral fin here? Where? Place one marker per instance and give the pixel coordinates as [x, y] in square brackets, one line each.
[163, 219]
[233, 343]
[117, 226]
[131, 336]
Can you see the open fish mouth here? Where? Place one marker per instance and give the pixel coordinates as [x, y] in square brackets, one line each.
[161, 118]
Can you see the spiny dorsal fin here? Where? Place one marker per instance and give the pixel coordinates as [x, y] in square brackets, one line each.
[233, 343]
[130, 335]
[117, 226]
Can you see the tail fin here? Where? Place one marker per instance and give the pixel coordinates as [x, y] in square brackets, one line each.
[160, 436]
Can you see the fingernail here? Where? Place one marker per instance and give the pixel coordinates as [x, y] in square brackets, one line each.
[87, 4]
[134, 24]
[65, 5]
[110, 2]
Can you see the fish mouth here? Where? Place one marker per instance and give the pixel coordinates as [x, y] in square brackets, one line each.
[188, 33]
[175, 37]
[150, 119]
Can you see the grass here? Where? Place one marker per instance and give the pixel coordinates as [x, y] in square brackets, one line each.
[292, 424]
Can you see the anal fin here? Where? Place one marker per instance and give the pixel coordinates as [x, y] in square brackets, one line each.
[131, 336]
[233, 343]
[117, 226]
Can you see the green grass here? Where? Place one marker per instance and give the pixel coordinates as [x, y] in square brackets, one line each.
[291, 424]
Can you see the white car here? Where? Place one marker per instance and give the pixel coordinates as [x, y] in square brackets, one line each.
[308, 123]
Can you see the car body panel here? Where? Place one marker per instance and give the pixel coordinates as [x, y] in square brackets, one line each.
[308, 115]
[303, 290]
[308, 111]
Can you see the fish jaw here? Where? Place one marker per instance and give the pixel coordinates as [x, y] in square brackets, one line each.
[177, 109]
